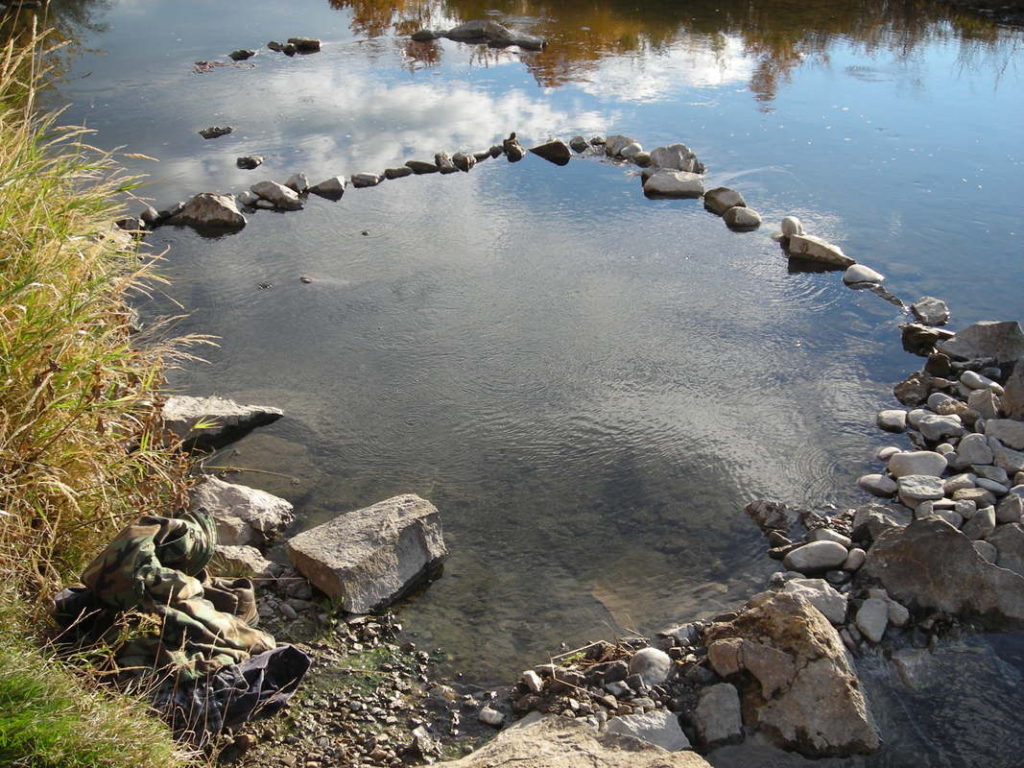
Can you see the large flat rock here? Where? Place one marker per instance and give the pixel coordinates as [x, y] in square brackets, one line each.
[372, 556]
[557, 742]
[213, 421]
[989, 338]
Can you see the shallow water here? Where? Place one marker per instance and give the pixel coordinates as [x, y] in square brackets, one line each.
[588, 384]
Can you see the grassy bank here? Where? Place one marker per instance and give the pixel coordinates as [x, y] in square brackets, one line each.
[78, 458]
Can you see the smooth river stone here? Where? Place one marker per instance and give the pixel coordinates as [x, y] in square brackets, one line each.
[917, 488]
[859, 273]
[934, 428]
[892, 420]
[974, 380]
[917, 463]
[872, 618]
[878, 485]
[816, 556]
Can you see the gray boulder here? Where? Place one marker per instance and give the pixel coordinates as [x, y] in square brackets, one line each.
[717, 717]
[331, 189]
[556, 152]
[1009, 432]
[676, 157]
[371, 557]
[210, 211]
[209, 421]
[282, 197]
[742, 219]
[821, 595]
[811, 248]
[247, 561]
[930, 311]
[680, 184]
[1002, 340]
[1013, 393]
[721, 199]
[802, 691]
[613, 145]
[243, 515]
[659, 727]
[929, 565]
[1009, 543]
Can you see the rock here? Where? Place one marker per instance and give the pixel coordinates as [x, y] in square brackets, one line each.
[419, 167]
[210, 212]
[513, 149]
[464, 162]
[305, 44]
[370, 557]
[981, 525]
[494, 34]
[331, 189]
[675, 184]
[426, 35]
[935, 427]
[828, 534]
[556, 742]
[242, 560]
[717, 717]
[1010, 509]
[872, 619]
[974, 449]
[892, 420]
[241, 54]
[878, 485]
[401, 172]
[742, 219]
[444, 163]
[855, 560]
[631, 151]
[871, 519]
[249, 162]
[1009, 432]
[532, 681]
[815, 705]
[1003, 341]
[980, 496]
[917, 488]
[613, 145]
[281, 196]
[958, 482]
[985, 402]
[821, 595]
[987, 551]
[974, 380]
[556, 152]
[771, 515]
[815, 249]
[917, 463]
[858, 273]
[816, 557]
[209, 421]
[1011, 461]
[653, 666]
[920, 339]
[677, 157]
[361, 180]
[1013, 394]
[930, 311]
[721, 199]
[886, 452]
[215, 131]
[914, 389]
[1009, 543]
[579, 144]
[929, 565]
[243, 515]
[297, 183]
[490, 716]
[659, 727]
[791, 226]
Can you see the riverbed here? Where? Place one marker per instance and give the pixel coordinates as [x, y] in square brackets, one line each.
[588, 384]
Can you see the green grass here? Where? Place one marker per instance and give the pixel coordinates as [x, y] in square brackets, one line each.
[81, 452]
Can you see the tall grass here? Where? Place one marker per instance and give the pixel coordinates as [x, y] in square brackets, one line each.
[80, 452]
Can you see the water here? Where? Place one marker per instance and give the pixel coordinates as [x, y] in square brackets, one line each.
[589, 385]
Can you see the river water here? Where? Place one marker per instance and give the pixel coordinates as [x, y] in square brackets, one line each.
[589, 385]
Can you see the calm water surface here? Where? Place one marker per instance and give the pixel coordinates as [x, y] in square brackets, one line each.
[589, 385]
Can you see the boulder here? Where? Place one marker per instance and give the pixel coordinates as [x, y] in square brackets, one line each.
[921, 339]
[298, 183]
[659, 727]
[556, 152]
[810, 248]
[210, 211]
[913, 489]
[892, 420]
[444, 163]
[402, 171]
[935, 427]
[717, 717]
[282, 197]
[878, 485]
[371, 557]
[678, 184]
[871, 519]
[557, 742]
[802, 693]
[331, 189]
[914, 389]
[243, 515]
[930, 311]
[212, 421]
[859, 273]
[1003, 341]
[931, 566]
[613, 145]
[742, 219]
[872, 618]
[974, 449]
[677, 157]
[721, 199]
[1009, 543]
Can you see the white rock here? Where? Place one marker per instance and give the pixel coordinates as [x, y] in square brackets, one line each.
[240, 561]
[958, 482]
[917, 488]
[666, 183]
[815, 249]
[532, 681]
[974, 380]
[898, 614]
[855, 560]
[886, 452]
[934, 427]
[1009, 432]
[872, 618]
[717, 716]
[930, 311]
[791, 225]
[974, 449]
[858, 273]
[260, 514]
[741, 218]
[281, 196]
[917, 463]
[652, 664]
[821, 595]
[490, 716]
[892, 420]
[878, 485]
[631, 150]
[986, 402]
[212, 419]
[659, 727]
[816, 556]
[827, 534]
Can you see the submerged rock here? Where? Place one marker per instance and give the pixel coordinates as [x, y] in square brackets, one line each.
[369, 558]
[242, 54]
[305, 44]
[494, 34]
